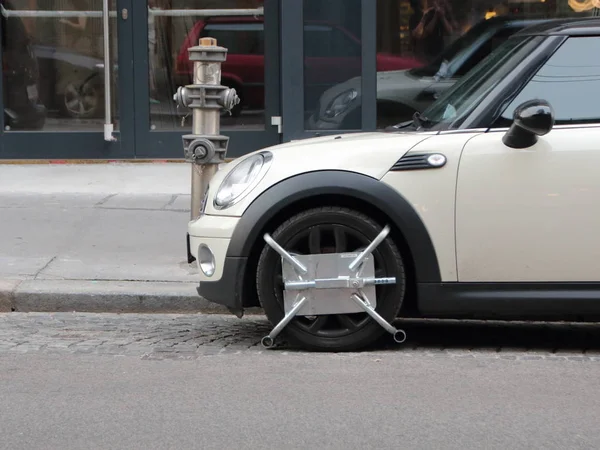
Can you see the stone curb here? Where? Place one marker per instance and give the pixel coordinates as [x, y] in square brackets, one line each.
[7, 289]
[105, 297]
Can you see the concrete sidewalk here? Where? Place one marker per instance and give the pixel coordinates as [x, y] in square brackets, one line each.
[96, 238]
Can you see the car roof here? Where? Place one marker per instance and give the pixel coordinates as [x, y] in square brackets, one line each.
[564, 27]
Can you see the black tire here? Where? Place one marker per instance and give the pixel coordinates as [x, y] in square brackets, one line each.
[354, 230]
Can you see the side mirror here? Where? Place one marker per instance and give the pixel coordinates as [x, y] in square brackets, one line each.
[531, 119]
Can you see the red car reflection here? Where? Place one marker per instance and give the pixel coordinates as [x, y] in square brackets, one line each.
[332, 56]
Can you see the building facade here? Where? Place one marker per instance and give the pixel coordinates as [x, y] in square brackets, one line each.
[303, 68]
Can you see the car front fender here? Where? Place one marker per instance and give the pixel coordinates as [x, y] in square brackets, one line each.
[264, 213]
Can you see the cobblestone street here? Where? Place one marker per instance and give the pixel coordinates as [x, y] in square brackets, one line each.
[192, 336]
[141, 381]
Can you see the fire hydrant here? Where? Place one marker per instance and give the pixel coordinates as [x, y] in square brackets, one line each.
[206, 148]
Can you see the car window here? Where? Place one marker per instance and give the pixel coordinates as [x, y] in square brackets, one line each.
[329, 42]
[451, 109]
[569, 81]
[238, 38]
[453, 51]
[467, 51]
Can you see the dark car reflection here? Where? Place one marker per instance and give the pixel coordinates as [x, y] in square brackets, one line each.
[42, 80]
[401, 93]
[23, 109]
[72, 85]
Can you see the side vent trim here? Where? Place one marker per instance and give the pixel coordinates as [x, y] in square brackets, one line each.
[419, 161]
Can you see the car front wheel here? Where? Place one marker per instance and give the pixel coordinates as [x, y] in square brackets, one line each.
[331, 230]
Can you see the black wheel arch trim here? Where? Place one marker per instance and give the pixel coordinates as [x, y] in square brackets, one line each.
[303, 186]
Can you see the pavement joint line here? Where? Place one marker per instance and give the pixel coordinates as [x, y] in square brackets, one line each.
[173, 198]
[163, 209]
[45, 267]
[105, 199]
[111, 208]
[115, 280]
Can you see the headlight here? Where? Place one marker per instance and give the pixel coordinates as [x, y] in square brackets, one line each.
[340, 103]
[242, 179]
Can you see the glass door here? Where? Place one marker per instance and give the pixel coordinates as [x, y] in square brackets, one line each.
[328, 67]
[59, 98]
[164, 30]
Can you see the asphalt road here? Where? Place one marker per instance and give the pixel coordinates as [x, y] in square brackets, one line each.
[72, 381]
[104, 381]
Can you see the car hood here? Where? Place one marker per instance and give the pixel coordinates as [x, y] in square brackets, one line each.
[371, 154]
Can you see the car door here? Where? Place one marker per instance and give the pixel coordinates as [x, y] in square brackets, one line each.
[533, 214]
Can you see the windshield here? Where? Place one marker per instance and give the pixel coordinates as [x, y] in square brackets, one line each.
[467, 93]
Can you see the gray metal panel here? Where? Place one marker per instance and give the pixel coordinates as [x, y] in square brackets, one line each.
[327, 301]
[141, 88]
[273, 38]
[60, 145]
[369, 65]
[168, 144]
[126, 81]
[292, 69]
[1, 99]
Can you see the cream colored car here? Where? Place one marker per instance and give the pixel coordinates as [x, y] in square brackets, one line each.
[491, 197]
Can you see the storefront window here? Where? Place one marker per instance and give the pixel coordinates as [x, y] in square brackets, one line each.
[423, 48]
[176, 25]
[446, 39]
[53, 64]
[332, 62]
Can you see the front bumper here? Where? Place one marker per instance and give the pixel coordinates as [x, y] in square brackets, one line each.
[228, 291]
[221, 276]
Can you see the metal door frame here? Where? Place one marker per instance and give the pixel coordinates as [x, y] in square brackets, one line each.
[83, 144]
[292, 70]
[168, 144]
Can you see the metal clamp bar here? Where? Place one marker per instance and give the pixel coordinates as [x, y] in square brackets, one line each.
[269, 341]
[380, 281]
[367, 251]
[284, 254]
[108, 125]
[151, 11]
[363, 302]
[207, 12]
[337, 283]
[52, 14]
